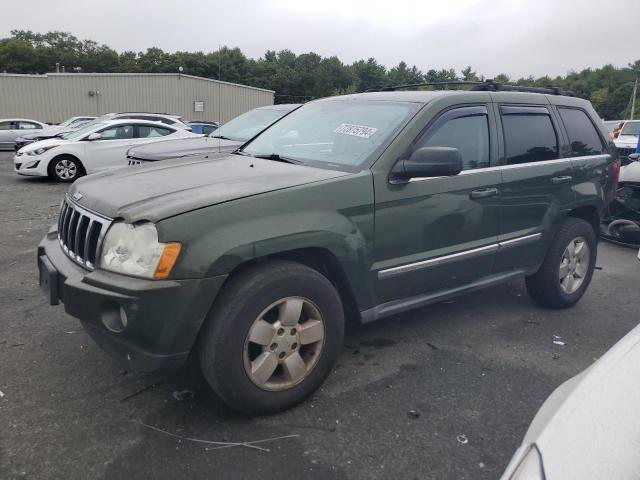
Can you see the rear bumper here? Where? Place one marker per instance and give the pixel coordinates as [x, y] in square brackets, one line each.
[163, 317]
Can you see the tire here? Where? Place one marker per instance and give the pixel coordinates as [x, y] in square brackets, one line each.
[234, 345]
[65, 168]
[547, 286]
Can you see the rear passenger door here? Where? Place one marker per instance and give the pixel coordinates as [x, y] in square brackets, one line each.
[537, 184]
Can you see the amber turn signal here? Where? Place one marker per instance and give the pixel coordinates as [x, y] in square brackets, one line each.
[167, 260]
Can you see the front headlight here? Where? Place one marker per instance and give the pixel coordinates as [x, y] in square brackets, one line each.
[41, 150]
[530, 467]
[135, 250]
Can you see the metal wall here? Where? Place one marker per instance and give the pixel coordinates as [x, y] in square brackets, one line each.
[57, 96]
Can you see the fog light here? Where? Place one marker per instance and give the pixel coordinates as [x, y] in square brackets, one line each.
[114, 317]
[123, 318]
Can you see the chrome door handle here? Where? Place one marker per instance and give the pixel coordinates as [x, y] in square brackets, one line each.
[484, 193]
[560, 180]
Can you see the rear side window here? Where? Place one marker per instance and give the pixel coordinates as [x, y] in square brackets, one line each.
[6, 126]
[529, 135]
[29, 126]
[150, 132]
[466, 129]
[583, 137]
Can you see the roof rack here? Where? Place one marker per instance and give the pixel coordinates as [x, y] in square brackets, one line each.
[486, 86]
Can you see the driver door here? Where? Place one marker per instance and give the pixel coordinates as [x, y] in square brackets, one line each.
[109, 151]
[439, 233]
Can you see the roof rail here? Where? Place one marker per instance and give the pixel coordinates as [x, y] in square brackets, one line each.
[486, 86]
[491, 86]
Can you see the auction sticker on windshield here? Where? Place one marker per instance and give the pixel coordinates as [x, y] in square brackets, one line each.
[361, 131]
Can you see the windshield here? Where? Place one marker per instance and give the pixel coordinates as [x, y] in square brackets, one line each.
[68, 121]
[78, 134]
[631, 128]
[248, 125]
[341, 133]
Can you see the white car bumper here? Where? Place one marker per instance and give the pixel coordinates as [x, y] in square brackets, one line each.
[32, 166]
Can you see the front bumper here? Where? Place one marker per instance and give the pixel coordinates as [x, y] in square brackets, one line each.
[24, 165]
[164, 317]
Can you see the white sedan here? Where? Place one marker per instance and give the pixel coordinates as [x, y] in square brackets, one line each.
[96, 147]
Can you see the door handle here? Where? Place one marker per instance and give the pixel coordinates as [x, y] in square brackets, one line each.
[560, 180]
[484, 193]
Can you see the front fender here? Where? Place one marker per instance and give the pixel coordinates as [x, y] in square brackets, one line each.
[335, 215]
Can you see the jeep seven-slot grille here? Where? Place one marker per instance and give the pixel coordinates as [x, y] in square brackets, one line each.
[80, 233]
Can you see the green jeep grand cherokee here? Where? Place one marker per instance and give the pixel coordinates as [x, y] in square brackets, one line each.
[363, 206]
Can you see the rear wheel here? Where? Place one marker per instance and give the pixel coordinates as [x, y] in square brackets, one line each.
[272, 337]
[65, 169]
[568, 267]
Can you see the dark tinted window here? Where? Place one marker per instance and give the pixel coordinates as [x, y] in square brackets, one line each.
[470, 135]
[7, 126]
[529, 137]
[207, 129]
[583, 137]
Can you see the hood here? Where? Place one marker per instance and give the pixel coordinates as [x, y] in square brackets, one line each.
[162, 190]
[626, 141]
[630, 173]
[181, 147]
[588, 427]
[43, 143]
[44, 133]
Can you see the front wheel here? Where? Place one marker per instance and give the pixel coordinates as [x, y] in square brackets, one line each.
[272, 337]
[65, 169]
[568, 267]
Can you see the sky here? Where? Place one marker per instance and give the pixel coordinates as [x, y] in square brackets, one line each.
[516, 37]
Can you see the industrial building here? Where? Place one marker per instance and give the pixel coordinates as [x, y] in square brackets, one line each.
[54, 97]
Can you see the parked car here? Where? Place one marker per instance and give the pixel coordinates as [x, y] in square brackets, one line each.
[612, 127]
[12, 128]
[589, 426]
[622, 222]
[51, 131]
[204, 128]
[364, 205]
[627, 140]
[93, 148]
[225, 139]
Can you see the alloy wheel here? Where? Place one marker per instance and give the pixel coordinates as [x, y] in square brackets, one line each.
[66, 169]
[574, 265]
[284, 344]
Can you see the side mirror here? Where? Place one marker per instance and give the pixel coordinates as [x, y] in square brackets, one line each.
[94, 136]
[427, 162]
[634, 157]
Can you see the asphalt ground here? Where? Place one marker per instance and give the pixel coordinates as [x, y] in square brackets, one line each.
[442, 392]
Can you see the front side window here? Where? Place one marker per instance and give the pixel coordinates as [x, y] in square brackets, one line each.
[529, 135]
[468, 133]
[333, 133]
[121, 132]
[583, 137]
[150, 132]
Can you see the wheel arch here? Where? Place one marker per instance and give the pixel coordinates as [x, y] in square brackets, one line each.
[588, 213]
[319, 259]
[68, 155]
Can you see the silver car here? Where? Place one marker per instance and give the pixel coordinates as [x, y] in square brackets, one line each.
[12, 128]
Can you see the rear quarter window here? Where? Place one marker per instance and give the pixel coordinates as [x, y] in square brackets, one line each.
[583, 136]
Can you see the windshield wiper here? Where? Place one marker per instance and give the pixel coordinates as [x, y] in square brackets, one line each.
[279, 158]
[221, 137]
